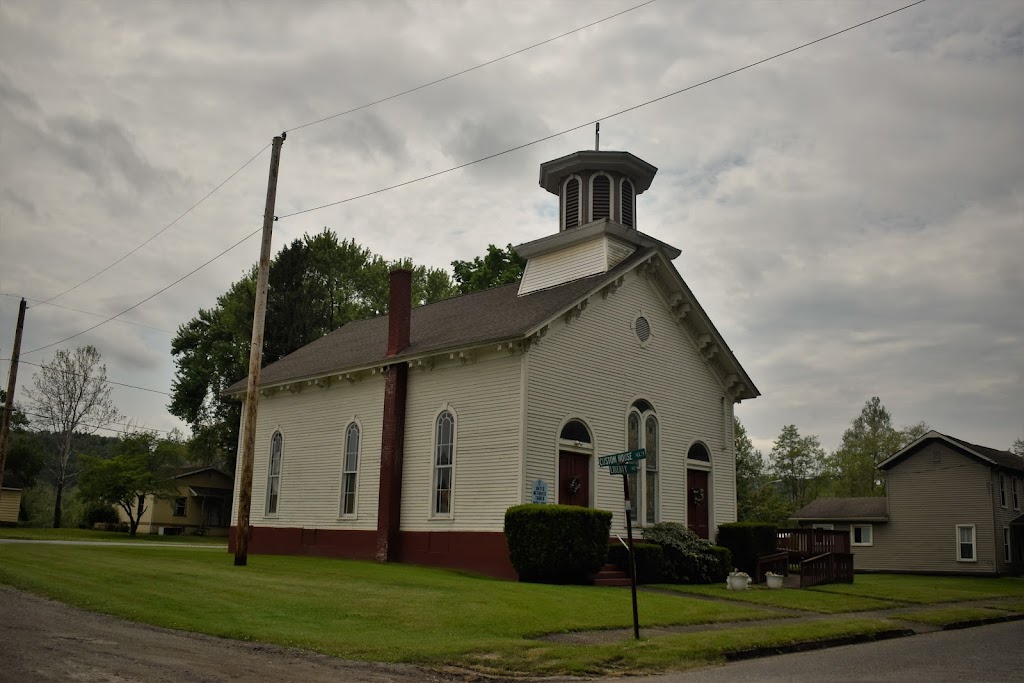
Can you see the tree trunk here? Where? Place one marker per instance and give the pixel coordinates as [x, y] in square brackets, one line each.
[56, 505]
[134, 526]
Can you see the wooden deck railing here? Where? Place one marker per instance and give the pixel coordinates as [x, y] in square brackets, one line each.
[829, 567]
[806, 543]
[778, 563]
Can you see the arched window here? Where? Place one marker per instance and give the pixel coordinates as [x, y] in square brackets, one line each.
[274, 472]
[698, 451]
[600, 197]
[349, 469]
[444, 463]
[571, 203]
[626, 199]
[576, 431]
[643, 431]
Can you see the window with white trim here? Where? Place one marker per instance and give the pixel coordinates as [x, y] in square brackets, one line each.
[825, 527]
[1007, 556]
[274, 473]
[965, 551]
[861, 534]
[1002, 490]
[643, 431]
[181, 507]
[444, 463]
[349, 469]
[1016, 497]
[571, 203]
[600, 196]
[626, 199]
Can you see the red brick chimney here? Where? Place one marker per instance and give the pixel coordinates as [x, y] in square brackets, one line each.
[392, 446]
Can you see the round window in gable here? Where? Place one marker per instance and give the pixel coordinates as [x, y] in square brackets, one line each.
[642, 328]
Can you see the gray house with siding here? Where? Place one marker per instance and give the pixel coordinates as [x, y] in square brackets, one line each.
[406, 437]
[950, 507]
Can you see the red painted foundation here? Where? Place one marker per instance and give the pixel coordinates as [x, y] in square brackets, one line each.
[479, 551]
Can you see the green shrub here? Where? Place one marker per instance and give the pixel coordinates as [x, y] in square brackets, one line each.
[99, 513]
[748, 541]
[688, 557]
[650, 561]
[556, 543]
[724, 563]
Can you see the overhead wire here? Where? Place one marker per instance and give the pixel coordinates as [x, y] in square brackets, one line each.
[498, 154]
[105, 381]
[126, 425]
[78, 310]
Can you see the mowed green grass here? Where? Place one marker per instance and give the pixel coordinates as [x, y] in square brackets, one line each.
[927, 589]
[34, 534]
[791, 598]
[940, 616]
[360, 610]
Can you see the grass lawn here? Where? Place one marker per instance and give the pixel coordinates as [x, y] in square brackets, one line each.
[34, 534]
[364, 610]
[810, 599]
[940, 616]
[927, 589]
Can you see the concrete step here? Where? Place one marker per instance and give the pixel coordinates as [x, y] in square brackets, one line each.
[610, 575]
[618, 581]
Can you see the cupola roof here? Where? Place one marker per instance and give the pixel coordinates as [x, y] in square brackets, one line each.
[636, 169]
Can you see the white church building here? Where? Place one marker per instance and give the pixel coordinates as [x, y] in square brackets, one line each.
[405, 437]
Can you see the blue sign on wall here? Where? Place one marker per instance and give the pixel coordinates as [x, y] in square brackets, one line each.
[540, 491]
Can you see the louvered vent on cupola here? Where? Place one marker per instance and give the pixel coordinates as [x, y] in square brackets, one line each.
[572, 203]
[627, 204]
[601, 198]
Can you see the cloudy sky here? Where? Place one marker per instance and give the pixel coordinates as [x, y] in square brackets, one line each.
[851, 215]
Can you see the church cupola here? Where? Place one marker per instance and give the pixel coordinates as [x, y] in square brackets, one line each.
[596, 185]
[597, 219]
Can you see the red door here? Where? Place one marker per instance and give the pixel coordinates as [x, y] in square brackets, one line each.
[574, 479]
[697, 499]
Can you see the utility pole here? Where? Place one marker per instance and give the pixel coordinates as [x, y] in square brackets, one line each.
[252, 392]
[12, 379]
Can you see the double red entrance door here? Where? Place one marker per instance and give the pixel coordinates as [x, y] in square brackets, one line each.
[697, 501]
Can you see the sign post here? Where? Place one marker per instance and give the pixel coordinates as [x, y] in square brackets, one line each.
[625, 464]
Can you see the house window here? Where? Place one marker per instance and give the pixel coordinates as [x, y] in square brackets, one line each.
[181, 507]
[140, 507]
[825, 527]
[1006, 544]
[348, 471]
[1002, 490]
[1016, 497]
[572, 203]
[642, 431]
[444, 460]
[861, 534]
[274, 473]
[965, 543]
[600, 197]
[699, 451]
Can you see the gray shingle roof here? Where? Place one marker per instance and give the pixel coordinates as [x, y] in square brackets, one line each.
[846, 509]
[988, 456]
[492, 315]
[1003, 458]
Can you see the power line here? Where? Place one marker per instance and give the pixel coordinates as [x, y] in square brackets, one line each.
[472, 68]
[126, 425]
[151, 296]
[488, 157]
[600, 118]
[78, 310]
[105, 381]
[162, 230]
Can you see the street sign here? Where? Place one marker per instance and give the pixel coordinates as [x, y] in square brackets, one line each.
[628, 468]
[620, 458]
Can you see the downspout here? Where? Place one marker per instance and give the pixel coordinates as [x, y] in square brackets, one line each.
[392, 446]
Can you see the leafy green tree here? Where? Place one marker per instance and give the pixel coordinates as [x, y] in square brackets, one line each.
[24, 450]
[316, 285]
[497, 267]
[69, 398]
[870, 439]
[757, 497]
[797, 461]
[144, 466]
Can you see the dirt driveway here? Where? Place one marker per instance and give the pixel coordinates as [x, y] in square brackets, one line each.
[43, 640]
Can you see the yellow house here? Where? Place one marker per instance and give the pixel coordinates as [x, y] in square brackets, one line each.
[10, 502]
[202, 506]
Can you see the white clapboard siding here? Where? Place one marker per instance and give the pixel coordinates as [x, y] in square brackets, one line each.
[313, 423]
[484, 395]
[565, 265]
[618, 252]
[594, 367]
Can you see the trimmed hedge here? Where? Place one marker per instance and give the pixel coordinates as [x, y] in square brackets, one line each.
[557, 543]
[688, 557]
[650, 561]
[748, 541]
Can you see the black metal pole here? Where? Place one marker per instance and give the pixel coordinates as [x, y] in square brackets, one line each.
[632, 559]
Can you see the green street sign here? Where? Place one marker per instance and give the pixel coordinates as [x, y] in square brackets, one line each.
[620, 458]
[628, 468]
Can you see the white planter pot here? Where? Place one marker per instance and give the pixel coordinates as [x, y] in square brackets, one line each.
[738, 583]
[774, 581]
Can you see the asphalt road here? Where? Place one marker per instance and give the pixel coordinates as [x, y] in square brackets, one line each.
[984, 653]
